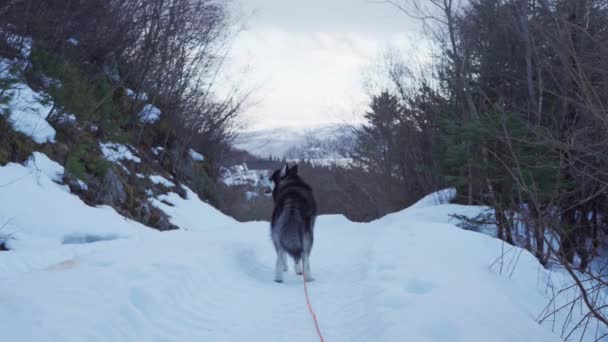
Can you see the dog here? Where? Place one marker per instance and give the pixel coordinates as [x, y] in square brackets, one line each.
[293, 220]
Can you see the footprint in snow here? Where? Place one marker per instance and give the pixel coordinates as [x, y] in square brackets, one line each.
[417, 286]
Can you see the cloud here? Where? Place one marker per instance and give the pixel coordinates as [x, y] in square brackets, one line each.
[309, 58]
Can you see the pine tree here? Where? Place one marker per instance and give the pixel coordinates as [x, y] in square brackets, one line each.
[375, 148]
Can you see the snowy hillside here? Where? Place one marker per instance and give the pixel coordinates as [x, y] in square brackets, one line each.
[80, 273]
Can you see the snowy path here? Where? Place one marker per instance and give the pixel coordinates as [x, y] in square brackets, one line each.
[411, 276]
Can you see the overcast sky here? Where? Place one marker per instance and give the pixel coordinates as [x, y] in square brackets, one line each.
[306, 58]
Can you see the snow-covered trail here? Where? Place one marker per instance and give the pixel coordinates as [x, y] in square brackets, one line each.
[411, 276]
[371, 284]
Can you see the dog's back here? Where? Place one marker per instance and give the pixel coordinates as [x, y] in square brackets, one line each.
[293, 219]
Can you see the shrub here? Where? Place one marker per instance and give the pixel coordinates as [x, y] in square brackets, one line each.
[83, 160]
[14, 146]
[72, 92]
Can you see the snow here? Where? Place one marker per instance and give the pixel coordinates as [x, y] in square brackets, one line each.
[139, 97]
[73, 41]
[240, 175]
[27, 113]
[277, 141]
[115, 152]
[249, 195]
[6, 68]
[157, 150]
[21, 43]
[192, 213]
[195, 155]
[39, 237]
[157, 179]
[82, 185]
[149, 114]
[49, 82]
[440, 197]
[325, 162]
[39, 162]
[67, 119]
[410, 276]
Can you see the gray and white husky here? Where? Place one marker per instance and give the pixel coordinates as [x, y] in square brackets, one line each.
[293, 220]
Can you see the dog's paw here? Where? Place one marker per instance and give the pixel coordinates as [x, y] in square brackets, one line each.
[309, 279]
[278, 281]
[299, 272]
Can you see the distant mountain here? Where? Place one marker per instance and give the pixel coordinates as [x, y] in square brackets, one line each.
[295, 142]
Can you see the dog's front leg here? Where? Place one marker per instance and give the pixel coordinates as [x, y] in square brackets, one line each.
[278, 272]
[298, 266]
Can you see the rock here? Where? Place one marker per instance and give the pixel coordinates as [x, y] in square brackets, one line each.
[112, 191]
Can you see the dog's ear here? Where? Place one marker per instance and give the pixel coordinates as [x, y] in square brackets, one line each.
[274, 176]
[284, 170]
[293, 170]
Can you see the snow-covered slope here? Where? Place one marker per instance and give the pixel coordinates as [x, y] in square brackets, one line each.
[78, 273]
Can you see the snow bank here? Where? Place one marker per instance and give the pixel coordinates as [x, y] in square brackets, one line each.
[436, 198]
[41, 213]
[115, 152]
[192, 213]
[27, 113]
[149, 114]
[39, 162]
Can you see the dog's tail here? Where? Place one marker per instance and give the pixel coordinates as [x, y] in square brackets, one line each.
[293, 240]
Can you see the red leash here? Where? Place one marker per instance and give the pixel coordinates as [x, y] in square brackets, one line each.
[314, 317]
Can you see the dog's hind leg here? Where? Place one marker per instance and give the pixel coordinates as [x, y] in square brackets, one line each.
[285, 268]
[280, 266]
[306, 265]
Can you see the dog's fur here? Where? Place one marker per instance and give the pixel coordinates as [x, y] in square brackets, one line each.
[293, 220]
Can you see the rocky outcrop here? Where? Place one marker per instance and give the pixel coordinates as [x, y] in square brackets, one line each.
[112, 191]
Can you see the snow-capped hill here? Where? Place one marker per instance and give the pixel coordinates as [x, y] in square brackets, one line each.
[411, 276]
[277, 142]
